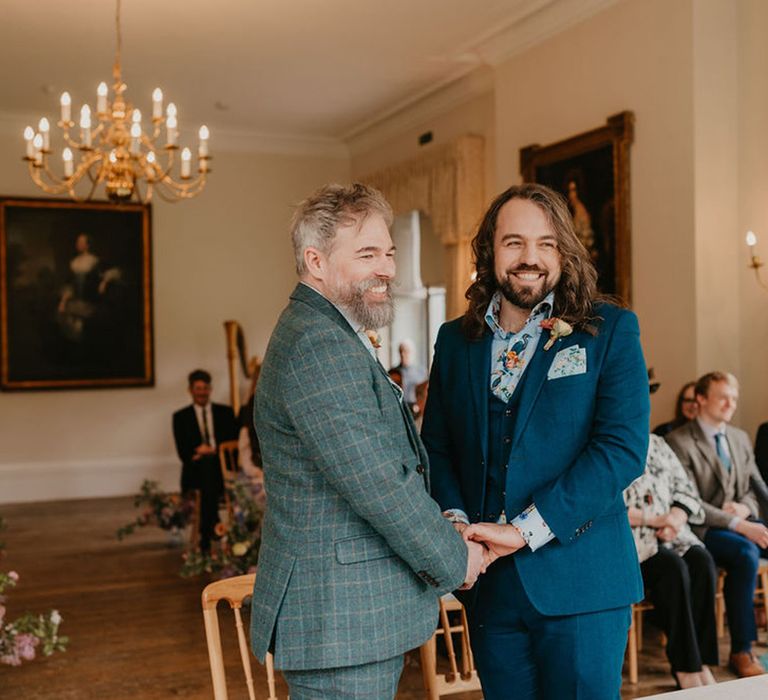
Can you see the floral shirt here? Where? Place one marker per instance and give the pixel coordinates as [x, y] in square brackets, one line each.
[663, 484]
[511, 352]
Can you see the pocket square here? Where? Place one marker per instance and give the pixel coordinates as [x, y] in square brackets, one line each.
[568, 362]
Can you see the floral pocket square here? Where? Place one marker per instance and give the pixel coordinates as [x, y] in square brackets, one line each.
[568, 362]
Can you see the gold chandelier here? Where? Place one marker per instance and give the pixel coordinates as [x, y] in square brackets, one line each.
[118, 151]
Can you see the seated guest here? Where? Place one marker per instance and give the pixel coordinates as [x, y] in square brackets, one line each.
[719, 460]
[198, 429]
[685, 410]
[678, 572]
[761, 450]
[411, 375]
[248, 442]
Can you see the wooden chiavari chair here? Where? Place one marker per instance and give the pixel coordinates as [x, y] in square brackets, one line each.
[455, 680]
[233, 590]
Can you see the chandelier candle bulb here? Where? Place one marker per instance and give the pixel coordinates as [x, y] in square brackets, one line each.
[135, 138]
[186, 163]
[29, 135]
[101, 98]
[45, 131]
[38, 144]
[170, 110]
[68, 164]
[136, 117]
[171, 131]
[202, 149]
[157, 104]
[66, 107]
[85, 126]
[751, 241]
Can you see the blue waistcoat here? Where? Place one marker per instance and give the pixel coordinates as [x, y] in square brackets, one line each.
[501, 426]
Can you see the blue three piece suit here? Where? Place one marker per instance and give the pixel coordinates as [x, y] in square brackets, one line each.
[550, 623]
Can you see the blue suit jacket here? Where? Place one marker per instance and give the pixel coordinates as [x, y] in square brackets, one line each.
[578, 442]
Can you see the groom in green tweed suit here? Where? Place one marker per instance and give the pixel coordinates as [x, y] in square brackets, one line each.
[354, 552]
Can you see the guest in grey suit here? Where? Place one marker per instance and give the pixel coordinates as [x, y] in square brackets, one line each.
[354, 552]
[721, 463]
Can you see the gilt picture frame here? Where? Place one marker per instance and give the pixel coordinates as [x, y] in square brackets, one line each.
[592, 171]
[75, 295]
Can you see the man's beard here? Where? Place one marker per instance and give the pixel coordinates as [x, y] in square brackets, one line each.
[370, 315]
[526, 297]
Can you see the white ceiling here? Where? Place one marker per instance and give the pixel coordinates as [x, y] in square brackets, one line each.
[308, 68]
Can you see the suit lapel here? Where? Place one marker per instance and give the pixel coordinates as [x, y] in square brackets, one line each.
[533, 381]
[305, 294]
[709, 454]
[479, 360]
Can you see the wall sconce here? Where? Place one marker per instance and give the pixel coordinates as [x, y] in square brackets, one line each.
[754, 262]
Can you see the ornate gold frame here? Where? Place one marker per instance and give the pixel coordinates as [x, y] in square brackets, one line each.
[147, 377]
[619, 133]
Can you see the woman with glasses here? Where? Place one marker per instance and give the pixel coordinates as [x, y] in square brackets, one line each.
[686, 409]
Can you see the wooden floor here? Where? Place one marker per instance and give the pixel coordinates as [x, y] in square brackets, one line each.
[135, 626]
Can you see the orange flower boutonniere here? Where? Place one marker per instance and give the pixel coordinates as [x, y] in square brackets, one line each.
[374, 337]
[557, 329]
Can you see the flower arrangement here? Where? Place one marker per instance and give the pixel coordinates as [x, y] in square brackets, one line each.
[20, 639]
[236, 550]
[168, 511]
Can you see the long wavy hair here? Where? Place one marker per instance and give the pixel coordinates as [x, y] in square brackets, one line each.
[576, 291]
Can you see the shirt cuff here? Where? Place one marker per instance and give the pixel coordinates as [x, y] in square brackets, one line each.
[534, 530]
[734, 522]
[456, 515]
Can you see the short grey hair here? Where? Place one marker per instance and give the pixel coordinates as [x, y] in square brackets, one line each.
[317, 219]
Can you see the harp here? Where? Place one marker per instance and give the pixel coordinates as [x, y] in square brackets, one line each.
[238, 361]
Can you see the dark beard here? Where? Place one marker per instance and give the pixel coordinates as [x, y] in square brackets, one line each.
[523, 298]
[370, 316]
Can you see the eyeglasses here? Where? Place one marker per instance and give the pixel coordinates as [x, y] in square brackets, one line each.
[688, 401]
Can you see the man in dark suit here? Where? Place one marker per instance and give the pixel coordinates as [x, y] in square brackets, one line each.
[198, 430]
[536, 420]
[720, 461]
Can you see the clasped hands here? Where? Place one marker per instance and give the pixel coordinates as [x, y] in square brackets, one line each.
[202, 450]
[486, 542]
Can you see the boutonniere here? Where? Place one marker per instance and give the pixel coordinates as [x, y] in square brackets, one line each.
[557, 329]
[374, 337]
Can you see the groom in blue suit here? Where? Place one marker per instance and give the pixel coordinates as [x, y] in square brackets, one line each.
[537, 419]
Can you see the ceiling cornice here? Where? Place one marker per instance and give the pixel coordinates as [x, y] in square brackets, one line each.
[531, 23]
[441, 101]
[550, 19]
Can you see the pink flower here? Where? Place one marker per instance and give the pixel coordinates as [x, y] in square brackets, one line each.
[25, 646]
[13, 576]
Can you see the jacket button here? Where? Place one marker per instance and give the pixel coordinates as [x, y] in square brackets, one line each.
[420, 468]
[507, 440]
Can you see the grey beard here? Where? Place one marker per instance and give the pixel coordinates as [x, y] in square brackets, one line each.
[369, 316]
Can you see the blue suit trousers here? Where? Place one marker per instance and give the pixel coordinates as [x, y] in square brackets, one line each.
[520, 653]
[740, 558]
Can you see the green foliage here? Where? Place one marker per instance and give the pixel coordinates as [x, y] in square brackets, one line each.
[168, 511]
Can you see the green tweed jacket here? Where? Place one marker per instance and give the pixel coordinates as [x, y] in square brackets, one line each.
[354, 552]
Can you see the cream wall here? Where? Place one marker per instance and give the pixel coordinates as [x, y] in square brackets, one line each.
[693, 72]
[753, 208]
[223, 255]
